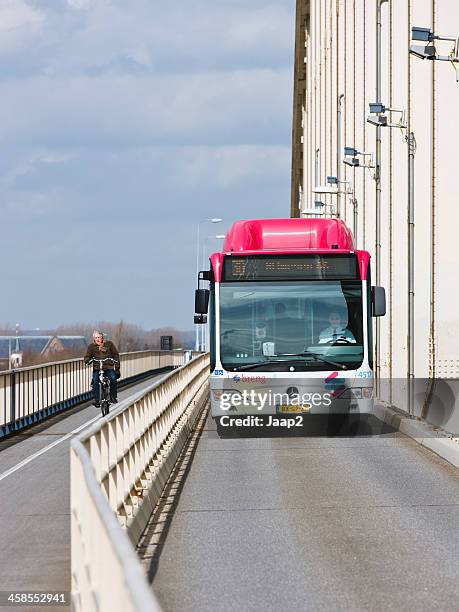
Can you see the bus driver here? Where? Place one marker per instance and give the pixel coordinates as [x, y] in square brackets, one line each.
[336, 331]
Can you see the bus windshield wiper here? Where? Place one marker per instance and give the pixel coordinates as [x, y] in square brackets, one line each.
[232, 331]
[257, 364]
[317, 357]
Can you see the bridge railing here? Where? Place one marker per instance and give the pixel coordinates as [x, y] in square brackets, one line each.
[119, 467]
[31, 394]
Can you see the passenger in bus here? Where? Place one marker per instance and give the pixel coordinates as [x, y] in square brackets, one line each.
[336, 332]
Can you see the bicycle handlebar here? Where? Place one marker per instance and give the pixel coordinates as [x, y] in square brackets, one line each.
[101, 360]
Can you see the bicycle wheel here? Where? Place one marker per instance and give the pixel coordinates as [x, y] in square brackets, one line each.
[104, 400]
[104, 407]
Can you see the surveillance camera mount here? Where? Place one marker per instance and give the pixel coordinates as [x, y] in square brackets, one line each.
[378, 119]
[429, 51]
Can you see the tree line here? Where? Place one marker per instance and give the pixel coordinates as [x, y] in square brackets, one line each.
[127, 337]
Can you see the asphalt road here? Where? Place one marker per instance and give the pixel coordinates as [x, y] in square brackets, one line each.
[35, 504]
[357, 522]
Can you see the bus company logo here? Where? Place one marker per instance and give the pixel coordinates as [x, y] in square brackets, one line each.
[251, 379]
[335, 384]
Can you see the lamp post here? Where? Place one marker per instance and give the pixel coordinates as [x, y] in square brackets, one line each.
[379, 118]
[338, 146]
[379, 4]
[427, 51]
[211, 220]
[411, 142]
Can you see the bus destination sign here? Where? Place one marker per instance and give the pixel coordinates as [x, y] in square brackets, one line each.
[290, 267]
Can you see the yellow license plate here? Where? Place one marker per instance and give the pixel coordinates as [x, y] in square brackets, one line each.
[295, 409]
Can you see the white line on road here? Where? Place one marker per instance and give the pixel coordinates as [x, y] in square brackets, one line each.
[24, 462]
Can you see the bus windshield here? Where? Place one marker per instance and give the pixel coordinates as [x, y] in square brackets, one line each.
[291, 325]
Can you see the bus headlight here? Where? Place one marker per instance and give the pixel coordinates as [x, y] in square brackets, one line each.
[362, 392]
[357, 393]
[224, 398]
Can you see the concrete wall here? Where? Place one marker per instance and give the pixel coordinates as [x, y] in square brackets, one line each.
[339, 58]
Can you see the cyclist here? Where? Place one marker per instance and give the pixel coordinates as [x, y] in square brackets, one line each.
[103, 349]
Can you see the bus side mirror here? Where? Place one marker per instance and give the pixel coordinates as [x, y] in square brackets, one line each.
[378, 301]
[201, 301]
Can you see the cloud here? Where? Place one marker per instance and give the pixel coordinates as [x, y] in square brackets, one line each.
[16, 14]
[141, 182]
[124, 123]
[143, 205]
[239, 107]
[30, 162]
[80, 4]
[20, 25]
[86, 36]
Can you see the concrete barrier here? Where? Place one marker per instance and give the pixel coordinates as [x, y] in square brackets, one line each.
[119, 467]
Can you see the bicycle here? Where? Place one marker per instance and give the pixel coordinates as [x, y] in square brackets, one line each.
[104, 385]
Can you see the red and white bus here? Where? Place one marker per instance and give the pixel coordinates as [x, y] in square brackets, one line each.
[290, 308]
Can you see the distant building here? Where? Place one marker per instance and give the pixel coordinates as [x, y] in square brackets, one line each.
[12, 348]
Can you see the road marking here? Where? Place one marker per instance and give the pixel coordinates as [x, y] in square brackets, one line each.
[24, 462]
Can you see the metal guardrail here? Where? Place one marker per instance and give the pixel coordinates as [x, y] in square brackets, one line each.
[31, 394]
[119, 467]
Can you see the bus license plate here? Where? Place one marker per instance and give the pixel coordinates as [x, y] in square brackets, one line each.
[285, 408]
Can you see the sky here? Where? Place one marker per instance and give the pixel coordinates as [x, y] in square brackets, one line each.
[124, 124]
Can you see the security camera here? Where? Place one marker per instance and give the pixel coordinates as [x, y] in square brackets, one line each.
[378, 120]
[423, 52]
[377, 108]
[422, 34]
[352, 161]
[350, 152]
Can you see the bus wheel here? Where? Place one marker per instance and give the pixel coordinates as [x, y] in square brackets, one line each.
[337, 424]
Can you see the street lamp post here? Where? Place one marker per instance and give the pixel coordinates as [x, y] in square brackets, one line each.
[338, 145]
[410, 361]
[426, 51]
[377, 117]
[379, 3]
